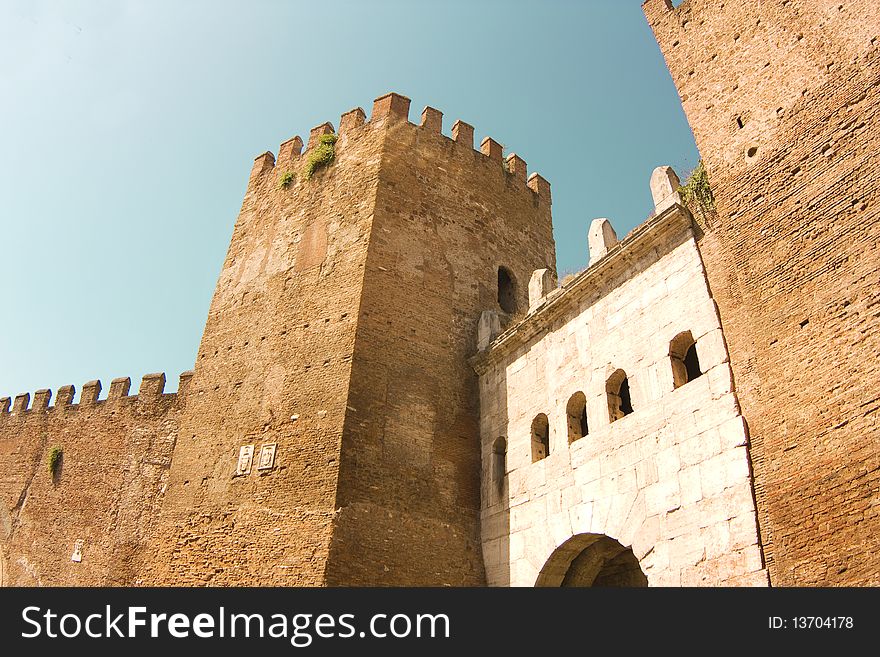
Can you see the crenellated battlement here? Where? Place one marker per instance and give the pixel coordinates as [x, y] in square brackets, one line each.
[152, 390]
[390, 109]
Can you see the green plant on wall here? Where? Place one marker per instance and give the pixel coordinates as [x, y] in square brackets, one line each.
[696, 192]
[321, 155]
[286, 179]
[53, 461]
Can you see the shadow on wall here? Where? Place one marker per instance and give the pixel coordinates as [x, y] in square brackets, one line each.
[495, 510]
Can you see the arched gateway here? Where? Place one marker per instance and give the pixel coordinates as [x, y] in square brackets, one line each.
[592, 560]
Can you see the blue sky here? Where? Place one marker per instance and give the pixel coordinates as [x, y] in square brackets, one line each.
[129, 128]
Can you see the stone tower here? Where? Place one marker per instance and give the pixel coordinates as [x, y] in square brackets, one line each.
[338, 337]
[781, 97]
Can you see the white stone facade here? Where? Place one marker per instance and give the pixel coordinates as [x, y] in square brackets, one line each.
[671, 479]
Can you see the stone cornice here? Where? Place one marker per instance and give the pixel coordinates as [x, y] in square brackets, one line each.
[560, 301]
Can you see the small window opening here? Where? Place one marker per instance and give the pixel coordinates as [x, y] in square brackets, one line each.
[739, 122]
[540, 438]
[685, 362]
[577, 417]
[499, 460]
[625, 401]
[506, 290]
[619, 399]
[692, 363]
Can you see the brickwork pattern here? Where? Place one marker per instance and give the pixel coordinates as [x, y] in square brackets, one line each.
[446, 218]
[338, 335]
[782, 100]
[106, 492]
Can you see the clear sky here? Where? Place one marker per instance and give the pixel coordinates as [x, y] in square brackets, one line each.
[128, 129]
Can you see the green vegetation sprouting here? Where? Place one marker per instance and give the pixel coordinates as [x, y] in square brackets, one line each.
[696, 192]
[286, 179]
[53, 461]
[321, 155]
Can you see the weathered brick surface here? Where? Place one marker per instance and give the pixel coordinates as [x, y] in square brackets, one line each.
[112, 480]
[273, 367]
[446, 217]
[792, 257]
[339, 331]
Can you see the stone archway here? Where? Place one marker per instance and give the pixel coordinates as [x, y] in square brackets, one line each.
[592, 560]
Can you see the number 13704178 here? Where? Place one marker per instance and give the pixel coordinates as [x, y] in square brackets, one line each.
[810, 622]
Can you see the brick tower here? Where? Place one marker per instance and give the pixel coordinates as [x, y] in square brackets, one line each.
[337, 339]
[781, 97]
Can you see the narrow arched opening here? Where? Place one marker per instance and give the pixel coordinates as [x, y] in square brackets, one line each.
[576, 411]
[506, 290]
[618, 394]
[499, 460]
[684, 359]
[540, 437]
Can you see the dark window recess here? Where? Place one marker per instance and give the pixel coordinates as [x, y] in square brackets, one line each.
[692, 363]
[683, 356]
[540, 438]
[625, 402]
[577, 417]
[618, 394]
[499, 454]
[506, 290]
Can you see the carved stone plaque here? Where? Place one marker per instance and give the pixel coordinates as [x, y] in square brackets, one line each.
[267, 456]
[77, 555]
[245, 460]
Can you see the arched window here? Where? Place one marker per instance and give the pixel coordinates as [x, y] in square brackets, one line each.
[506, 290]
[540, 437]
[499, 460]
[577, 417]
[683, 355]
[619, 400]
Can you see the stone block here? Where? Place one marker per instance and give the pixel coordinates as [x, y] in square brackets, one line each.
[732, 433]
[662, 496]
[713, 475]
[711, 349]
[717, 539]
[687, 550]
[689, 482]
[581, 517]
[541, 284]
[601, 238]
[743, 530]
[664, 189]
[646, 536]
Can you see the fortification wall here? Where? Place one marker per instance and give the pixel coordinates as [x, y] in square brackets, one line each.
[670, 480]
[273, 369]
[338, 335]
[447, 217]
[104, 496]
[782, 100]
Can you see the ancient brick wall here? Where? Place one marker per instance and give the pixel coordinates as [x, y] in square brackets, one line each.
[105, 492]
[670, 480]
[273, 369]
[338, 333]
[782, 99]
[446, 218]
